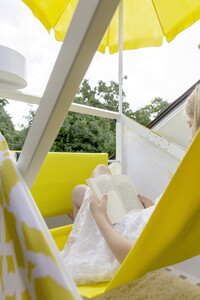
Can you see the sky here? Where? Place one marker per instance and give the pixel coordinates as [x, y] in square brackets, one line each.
[166, 71]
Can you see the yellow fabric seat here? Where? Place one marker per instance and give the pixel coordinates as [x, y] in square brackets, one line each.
[59, 174]
[172, 233]
[60, 235]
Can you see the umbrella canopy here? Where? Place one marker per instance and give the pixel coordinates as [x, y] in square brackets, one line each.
[145, 22]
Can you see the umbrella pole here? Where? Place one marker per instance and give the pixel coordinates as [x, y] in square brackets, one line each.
[120, 79]
[119, 129]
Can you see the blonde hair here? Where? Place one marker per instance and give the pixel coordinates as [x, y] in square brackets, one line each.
[193, 107]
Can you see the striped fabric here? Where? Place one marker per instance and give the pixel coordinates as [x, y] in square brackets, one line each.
[30, 265]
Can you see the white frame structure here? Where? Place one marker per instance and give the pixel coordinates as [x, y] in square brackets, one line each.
[148, 134]
[87, 28]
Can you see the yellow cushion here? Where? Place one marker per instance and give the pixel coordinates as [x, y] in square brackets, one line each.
[60, 173]
[60, 235]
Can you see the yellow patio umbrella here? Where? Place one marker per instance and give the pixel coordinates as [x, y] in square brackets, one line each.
[145, 22]
[136, 23]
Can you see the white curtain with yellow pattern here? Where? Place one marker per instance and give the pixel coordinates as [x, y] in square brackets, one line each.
[30, 264]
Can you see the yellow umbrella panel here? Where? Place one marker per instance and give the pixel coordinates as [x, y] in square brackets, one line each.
[144, 22]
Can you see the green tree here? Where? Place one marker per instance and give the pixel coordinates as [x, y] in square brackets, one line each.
[84, 133]
[147, 113]
[20, 135]
[102, 96]
[6, 125]
[109, 97]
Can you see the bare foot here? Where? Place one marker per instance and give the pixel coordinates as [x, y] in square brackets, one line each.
[71, 216]
[145, 201]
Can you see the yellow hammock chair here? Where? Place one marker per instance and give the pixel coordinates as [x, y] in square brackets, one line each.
[171, 235]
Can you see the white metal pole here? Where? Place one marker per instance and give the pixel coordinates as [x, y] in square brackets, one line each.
[119, 127]
[120, 55]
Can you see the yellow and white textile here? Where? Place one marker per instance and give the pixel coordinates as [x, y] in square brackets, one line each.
[30, 265]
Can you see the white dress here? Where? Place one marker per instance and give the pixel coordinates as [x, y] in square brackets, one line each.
[86, 254]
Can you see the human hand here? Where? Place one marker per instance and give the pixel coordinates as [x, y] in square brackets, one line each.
[145, 201]
[98, 208]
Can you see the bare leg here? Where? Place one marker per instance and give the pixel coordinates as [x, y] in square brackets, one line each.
[101, 170]
[78, 194]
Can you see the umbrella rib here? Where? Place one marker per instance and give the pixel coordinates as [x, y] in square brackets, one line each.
[158, 17]
[61, 13]
[108, 36]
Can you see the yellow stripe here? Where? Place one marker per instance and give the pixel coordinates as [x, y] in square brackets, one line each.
[3, 145]
[35, 241]
[10, 298]
[9, 175]
[30, 267]
[25, 295]
[11, 234]
[48, 289]
[1, 273]
[10, 264]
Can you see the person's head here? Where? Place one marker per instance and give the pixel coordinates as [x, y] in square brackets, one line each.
[192, 109]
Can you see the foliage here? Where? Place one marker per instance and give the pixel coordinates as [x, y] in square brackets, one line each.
[22, 134]
[14, 138]
[84, 133]
[6, 125]
[102, 96]
[80, 132]
[147, 113]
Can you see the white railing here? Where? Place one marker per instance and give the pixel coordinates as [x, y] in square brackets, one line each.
[154, 138]
[148, 134]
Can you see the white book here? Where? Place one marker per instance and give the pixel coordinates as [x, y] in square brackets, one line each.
[122, 194]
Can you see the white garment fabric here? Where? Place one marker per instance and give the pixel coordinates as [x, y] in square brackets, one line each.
[87, 255]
